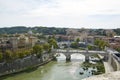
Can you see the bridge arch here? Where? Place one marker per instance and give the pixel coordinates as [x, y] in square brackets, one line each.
[77, 56]
[73, 56]
[60, 57]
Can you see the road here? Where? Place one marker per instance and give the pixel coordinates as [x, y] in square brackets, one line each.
[108, 67]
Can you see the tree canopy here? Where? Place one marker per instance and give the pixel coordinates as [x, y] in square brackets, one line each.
[38, 49]
[1, 56]
[101, 44]
[53, 43]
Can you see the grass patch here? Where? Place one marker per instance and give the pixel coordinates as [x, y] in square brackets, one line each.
[99, 65]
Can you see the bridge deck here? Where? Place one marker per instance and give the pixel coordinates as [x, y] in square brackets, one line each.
[78, 51]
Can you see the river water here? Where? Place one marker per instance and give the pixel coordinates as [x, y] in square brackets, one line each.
[56, 70]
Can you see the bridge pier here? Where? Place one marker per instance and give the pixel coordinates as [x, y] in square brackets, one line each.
[106, 58]
[68, 57]
[86, 58]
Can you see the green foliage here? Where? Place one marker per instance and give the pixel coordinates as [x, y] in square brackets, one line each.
[13, 30]
[117, 31]
[41, 37]
[1, 56]
[99, 65]
[100, 32]
[53, 43]
[38, 49]
[90, 47]
[101, 44]
[21, 54]
[74, 45]
[49, 30]
[118, 49]
[77, 40]
[27, 52]
[9, 55]
[15, 55]
[23, 29]
[46, 47]
[96, 41]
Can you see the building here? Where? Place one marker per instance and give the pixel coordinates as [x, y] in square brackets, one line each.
[17, 42]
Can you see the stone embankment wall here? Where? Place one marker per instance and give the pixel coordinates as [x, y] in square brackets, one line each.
[114, 62]
[24, 63]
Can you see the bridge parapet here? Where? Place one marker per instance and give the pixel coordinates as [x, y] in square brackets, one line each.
[80, 51]
[87, 53]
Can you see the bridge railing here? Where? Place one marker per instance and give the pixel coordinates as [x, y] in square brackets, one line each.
[79, 51]
[116, 57]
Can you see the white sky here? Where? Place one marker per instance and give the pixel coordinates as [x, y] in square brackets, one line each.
[60, 13]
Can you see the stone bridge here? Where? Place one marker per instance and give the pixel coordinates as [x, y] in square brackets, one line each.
[86, 53]
[112, 57]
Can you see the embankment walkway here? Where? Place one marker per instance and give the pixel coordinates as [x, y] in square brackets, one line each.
[108, 67]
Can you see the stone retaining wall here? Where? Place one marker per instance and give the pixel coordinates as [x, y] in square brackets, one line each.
[22, 64]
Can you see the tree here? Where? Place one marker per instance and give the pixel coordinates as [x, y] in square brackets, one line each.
[16, 55]
[27, 52]
[21, 54]
[74, 45]
[53, 43]
[9, 55]
[97, 41]
[90, 47]
[118, 49]
[77, 40]
[38, 49]
[101, 44]
[46, 47]
[1, 56]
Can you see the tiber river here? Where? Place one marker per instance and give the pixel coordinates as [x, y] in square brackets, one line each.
[56, 70]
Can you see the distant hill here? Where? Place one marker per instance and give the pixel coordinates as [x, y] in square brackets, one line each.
[49, 30]
[117, 31]
[23, 29]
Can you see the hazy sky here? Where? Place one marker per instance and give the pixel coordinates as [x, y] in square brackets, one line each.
[61, 13]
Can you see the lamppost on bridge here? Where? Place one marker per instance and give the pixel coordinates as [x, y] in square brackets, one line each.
[87, 56]
[68, 57]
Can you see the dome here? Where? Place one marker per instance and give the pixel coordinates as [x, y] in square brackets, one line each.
[30, 32]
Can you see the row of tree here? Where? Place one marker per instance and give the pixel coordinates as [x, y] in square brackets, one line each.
[37, 49]
[10, 55]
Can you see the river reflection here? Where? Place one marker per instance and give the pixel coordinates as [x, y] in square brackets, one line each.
[55, 70]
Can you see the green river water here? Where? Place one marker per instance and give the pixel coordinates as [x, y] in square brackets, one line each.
[54, 70]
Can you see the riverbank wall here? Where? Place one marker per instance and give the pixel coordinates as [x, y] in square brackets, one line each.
[19, 65]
